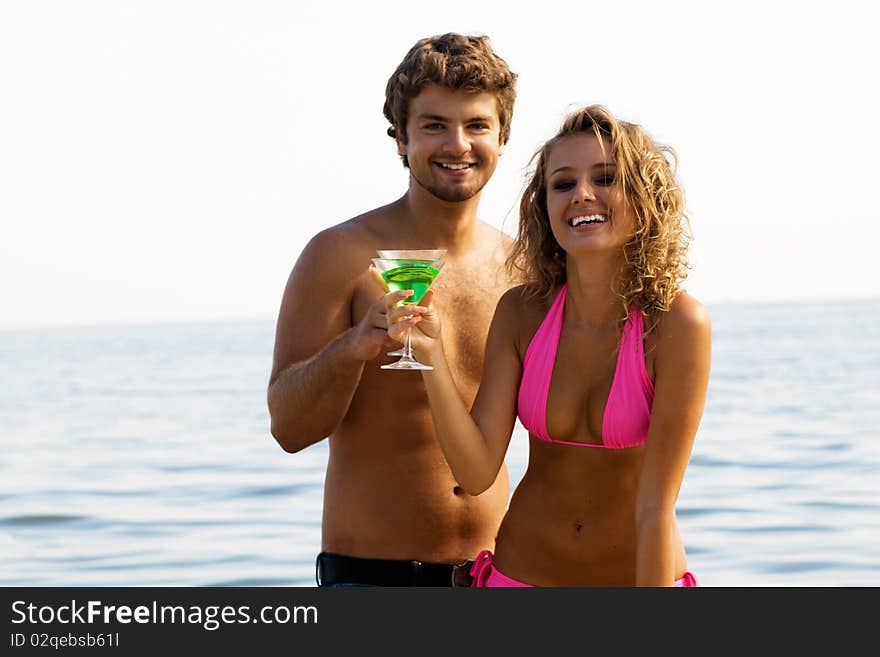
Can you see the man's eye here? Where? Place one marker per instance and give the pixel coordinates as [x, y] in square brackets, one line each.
[434, 126]
[479, 126]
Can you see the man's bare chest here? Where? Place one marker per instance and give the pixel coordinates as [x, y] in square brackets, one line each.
[465, 299]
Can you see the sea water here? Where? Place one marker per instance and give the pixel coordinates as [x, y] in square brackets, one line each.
[141, 456]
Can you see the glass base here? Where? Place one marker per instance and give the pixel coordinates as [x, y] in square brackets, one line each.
[406, 364]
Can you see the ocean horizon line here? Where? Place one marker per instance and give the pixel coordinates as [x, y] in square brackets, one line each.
[232, 320]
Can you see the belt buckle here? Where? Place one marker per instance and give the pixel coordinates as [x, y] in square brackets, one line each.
[461, 574]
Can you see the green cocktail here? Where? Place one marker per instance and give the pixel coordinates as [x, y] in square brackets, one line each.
[409, 270]
[415, 275]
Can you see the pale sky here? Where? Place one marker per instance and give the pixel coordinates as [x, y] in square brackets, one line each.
[168, 160]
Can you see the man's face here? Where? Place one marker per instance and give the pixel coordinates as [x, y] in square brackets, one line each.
[452, 141]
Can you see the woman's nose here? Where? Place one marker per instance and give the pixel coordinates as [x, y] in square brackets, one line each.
[584, 193]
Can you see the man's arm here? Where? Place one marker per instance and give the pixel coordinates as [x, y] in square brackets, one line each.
[319, 356]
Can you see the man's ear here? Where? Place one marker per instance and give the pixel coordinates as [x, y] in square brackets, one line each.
[401, 146]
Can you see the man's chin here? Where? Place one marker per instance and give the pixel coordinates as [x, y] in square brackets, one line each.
[449, 193]
[453, 195]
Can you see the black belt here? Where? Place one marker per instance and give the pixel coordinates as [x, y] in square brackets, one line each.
[333, 569]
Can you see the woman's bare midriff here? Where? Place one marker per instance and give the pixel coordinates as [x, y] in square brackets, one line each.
[571, 520]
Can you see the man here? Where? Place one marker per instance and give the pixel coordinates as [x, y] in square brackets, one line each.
[393, 513]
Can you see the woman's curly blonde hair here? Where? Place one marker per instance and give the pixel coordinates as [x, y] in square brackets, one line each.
[654, 263]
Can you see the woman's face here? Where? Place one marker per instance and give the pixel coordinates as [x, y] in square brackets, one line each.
[584, 202]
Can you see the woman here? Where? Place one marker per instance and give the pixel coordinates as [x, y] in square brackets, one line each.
[603, 356]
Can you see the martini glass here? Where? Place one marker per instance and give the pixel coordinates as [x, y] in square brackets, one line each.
[409, 270]
[427, 253]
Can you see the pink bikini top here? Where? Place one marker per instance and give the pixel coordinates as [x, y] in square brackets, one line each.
[628, 409]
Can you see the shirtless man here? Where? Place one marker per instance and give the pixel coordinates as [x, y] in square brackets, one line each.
[393, 513]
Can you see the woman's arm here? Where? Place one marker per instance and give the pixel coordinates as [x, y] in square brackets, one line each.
[474, 443]
[681, 379]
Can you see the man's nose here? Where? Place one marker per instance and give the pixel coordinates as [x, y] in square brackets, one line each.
[457, 141]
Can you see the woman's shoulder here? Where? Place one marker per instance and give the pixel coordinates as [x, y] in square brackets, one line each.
[521, 301]
[520, 311]
[686, 313]
[514, 296]
[685, 324]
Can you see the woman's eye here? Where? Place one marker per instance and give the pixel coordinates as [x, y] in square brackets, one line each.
[562, 185]
[605, 180]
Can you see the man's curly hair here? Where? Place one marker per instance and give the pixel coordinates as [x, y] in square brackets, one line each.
[455, 62]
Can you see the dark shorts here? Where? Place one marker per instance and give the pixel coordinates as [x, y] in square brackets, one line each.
[337, 570]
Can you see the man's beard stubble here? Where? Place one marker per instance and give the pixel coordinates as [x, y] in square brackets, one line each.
[450, 195]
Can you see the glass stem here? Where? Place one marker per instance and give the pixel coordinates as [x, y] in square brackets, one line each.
[408, 347]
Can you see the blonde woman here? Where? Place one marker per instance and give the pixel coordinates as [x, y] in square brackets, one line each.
[601, 354]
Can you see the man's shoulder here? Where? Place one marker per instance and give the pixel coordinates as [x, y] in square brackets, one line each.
[494, 235]
[492, 252]
[346, 233]
[350, 238]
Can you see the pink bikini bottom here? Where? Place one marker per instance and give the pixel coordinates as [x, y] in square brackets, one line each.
[486, 575]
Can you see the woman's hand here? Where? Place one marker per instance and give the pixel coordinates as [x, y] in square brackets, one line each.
[422, 320]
